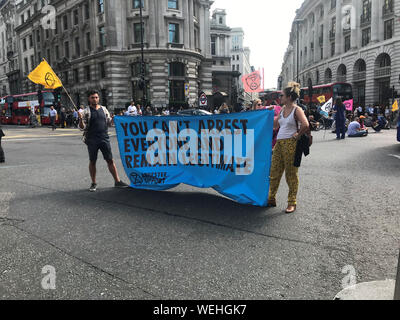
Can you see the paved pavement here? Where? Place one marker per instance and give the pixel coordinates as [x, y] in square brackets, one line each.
[188, 243]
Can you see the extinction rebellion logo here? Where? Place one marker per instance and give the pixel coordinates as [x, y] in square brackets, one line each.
[156, 178]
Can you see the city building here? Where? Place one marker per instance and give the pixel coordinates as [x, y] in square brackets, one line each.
[9, 59]
[225, 79]
[241, 61]
[353, 41]
[96, 44]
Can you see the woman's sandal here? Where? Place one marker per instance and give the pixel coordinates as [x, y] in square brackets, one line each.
[291, 209]
[272, 203]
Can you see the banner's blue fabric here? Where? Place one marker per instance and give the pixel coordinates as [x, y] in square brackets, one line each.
[230, 153]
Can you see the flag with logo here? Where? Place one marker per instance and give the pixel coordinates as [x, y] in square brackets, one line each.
[395, 106]
[321, 99]
[44, 75]
[349, 105]
[327, 107]
[253, 82]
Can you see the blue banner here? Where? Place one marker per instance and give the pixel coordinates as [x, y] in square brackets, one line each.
[230, 153]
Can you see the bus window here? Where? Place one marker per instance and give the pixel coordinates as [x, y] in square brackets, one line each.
[48, 97]
[22, 112]
[343, 90]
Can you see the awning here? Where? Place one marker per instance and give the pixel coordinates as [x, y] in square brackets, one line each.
[208, 92]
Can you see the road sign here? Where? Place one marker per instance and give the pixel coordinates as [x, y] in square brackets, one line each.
[203, 100]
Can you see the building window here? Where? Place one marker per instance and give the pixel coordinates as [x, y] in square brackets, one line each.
[366, 37]
[177, 91]
[333, 44]
[136, 69]
[76, 17]
[24, 44]
[176, 69]
[65, 23]
[173, 4]
[102, 70]
[136, 4]
[87, 11]
[57, 48]
[347, 43]
[77, 47]
[213, 45]
[137, 32]
[66, 49]
[76, 75]
[100, 6]
[88, 42]
[389, 29]
[173, 33]
[333, 4]
[87, 73]
[102, 36]
[66, 77]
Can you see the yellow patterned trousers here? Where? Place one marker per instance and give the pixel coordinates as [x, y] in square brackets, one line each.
[283, 161]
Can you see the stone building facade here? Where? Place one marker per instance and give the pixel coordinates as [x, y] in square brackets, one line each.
[97, 45]
[225, 78]
[353, 41]
[9, 58]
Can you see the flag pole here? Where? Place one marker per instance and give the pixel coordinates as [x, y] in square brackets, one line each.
[70, 98]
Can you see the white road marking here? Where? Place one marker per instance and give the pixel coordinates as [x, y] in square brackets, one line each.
[19, 166]
[393, 155]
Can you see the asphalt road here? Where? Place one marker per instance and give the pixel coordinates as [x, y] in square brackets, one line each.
[189, 243]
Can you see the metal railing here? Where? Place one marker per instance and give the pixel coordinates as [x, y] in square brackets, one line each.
[383, 72]
[360, 76]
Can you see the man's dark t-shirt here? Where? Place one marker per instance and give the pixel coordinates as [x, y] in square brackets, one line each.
[98, 130]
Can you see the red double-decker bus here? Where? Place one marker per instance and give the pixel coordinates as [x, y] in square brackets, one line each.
[6, 110]
[270, 97]
[333, 90]
[16, 109]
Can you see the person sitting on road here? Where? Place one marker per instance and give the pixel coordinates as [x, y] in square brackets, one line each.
[362, 123]
[378, 123]
[355, 130]
[314, 125]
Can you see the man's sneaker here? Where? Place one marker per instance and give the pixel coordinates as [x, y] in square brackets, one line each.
[93, 188]
[121, 185]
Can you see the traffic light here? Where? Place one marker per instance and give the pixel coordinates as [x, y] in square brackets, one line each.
[57, 95]
[40, 97]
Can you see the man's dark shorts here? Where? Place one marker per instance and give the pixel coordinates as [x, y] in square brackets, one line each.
[104, 146]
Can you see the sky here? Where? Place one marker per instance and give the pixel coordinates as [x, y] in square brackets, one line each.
[267, 25]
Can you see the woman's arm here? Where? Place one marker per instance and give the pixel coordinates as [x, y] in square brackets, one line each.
[304, 124]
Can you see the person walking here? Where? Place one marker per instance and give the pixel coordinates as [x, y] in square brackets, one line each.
[53, 117]
[2, 157]
[94, 123]
[63, 117]
[285, 149]
[340, 111]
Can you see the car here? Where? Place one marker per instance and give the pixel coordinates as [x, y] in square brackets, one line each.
[194, 112]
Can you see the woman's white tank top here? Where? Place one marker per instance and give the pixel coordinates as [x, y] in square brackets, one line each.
[288, 126]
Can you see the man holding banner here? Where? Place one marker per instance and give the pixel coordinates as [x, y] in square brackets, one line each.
[94, 121]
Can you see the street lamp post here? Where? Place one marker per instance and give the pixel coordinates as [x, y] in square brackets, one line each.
[143, 69]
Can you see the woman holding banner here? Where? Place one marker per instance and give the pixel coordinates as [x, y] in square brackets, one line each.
[285, 149]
